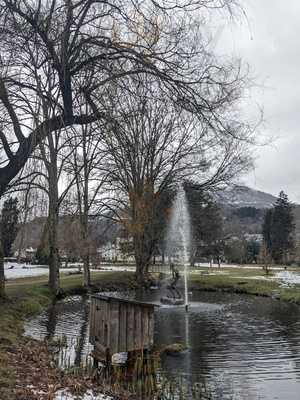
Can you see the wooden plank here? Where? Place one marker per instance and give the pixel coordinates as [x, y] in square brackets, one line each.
[145, 329]
[107, 325]
[98, 312]
[96, 320]
[151, 327]
[123, 327]
[104, 324]
[114, 327]
[101, 320]
[130, 328]
[137, 328]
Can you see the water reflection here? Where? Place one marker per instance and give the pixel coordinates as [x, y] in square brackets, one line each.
[51, 321]
[242, 347]
[66, 325]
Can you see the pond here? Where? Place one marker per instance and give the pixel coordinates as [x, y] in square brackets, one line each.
[243, 347]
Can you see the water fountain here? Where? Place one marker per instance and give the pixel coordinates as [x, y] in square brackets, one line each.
[178, 237]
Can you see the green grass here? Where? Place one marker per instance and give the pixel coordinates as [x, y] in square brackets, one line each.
[240, 280]
[242, 271]
[107, 279]
[237, 284]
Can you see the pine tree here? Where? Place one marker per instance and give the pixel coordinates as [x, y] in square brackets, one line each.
[278, 229]
[267, 229]
[9, 224]
[206, 223]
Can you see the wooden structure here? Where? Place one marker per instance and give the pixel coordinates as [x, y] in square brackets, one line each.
[118, 325]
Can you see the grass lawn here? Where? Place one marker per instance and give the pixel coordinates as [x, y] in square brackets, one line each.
[243, 280]
[103, 279]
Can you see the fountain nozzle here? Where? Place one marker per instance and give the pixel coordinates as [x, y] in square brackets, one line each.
[186, 308]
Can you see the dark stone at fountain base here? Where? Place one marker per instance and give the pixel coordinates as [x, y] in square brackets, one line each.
[172, 301]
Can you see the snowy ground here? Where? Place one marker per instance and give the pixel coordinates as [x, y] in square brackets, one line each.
[28, 270]
[65, 395]
[288, 278]
[116, 268]
[248, 266]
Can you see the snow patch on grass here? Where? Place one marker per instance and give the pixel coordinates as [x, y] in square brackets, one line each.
[66, 395]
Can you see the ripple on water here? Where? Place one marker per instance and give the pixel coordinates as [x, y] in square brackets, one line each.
[244, 347]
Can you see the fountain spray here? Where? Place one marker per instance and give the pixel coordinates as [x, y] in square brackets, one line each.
[179, 235]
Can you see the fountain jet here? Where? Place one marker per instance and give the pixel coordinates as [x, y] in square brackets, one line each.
[179, 234]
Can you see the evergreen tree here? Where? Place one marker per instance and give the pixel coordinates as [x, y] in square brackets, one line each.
[206, 223]
[9, 224]
[267, 229]
[253, 249]
[278, 229]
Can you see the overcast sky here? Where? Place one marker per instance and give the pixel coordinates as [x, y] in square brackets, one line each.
[270, 43]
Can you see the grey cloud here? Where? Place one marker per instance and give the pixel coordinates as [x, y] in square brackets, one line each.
[271, 46]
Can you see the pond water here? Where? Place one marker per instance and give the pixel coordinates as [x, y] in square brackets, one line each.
[243, 347]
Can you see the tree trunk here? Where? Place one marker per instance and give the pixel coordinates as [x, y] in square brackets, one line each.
[143, 255]
[192, 260]
[142, 209]
[54, 284]
[85, 244]
[193, 254]
[2, 277]
[54, 262]
[85, 216]
[86, 271]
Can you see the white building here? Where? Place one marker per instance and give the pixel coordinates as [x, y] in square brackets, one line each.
[115, 251]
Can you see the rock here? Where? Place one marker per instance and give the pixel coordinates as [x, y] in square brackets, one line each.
[173, 349]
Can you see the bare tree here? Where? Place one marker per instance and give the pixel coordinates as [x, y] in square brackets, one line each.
[86, 167]
[103, 42]
[153, 145]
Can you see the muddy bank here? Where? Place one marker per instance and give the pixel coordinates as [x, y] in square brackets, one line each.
[37, 377]
[30, 297]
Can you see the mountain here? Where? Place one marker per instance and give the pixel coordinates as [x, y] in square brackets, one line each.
[243, 209]
[243, 196]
